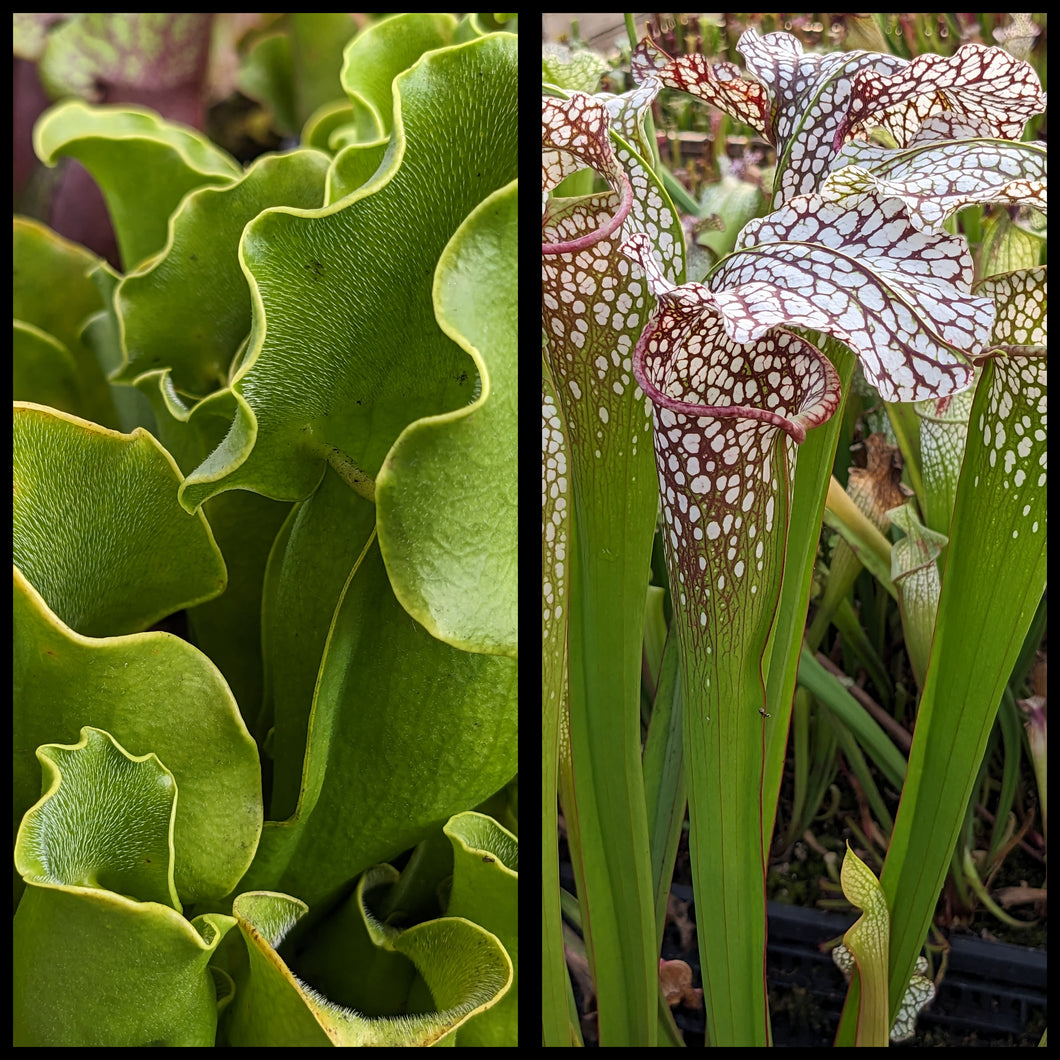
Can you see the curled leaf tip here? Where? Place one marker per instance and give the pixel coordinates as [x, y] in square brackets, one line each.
[686, 362]
[575, 135]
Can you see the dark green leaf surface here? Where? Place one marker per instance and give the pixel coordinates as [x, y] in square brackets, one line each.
[446, 494]
[346, 350]
[405, 731]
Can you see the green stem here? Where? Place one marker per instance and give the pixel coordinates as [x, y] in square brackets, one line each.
[725, 840]
[606, 624]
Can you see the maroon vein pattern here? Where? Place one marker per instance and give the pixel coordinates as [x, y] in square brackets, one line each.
[573, 137]
[860, 270]
[977, 88]
[936, 179]
[593, 307]
[810, 95]
[726, 417]
[796, 100]
[718, 84]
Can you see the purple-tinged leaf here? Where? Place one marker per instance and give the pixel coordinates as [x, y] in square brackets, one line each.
[154, 59]
[861, 272]
[718, 84]
[592, 308]
[937, 179]
[726, 417]
[719, 407]
[810, 94]
[574, 136]
[686, 362]
[977, 88]
[795, 100]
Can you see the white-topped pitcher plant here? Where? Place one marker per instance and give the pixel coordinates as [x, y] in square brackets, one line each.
[743, 375]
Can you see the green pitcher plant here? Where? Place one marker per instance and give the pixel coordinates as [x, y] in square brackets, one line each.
[265, 611]
[741, 379]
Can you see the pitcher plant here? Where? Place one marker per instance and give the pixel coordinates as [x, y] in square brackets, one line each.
[741, 380]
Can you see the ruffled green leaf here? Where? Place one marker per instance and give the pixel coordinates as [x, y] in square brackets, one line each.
[318, 41]
[266, 74]
[244, 526]
[464, 968]
[143, 165]
[338, 386]
[384, 50]
[189, 309]
[104, 821]
[335, 124]
[485, 891]
[446, 494]
[346, 949]
[342, 950]
[96, 969]
[43, 369]
[97, 528]
[308, 567]
[102, 955]
[478, 23]
[103, 335]
[153, 692]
